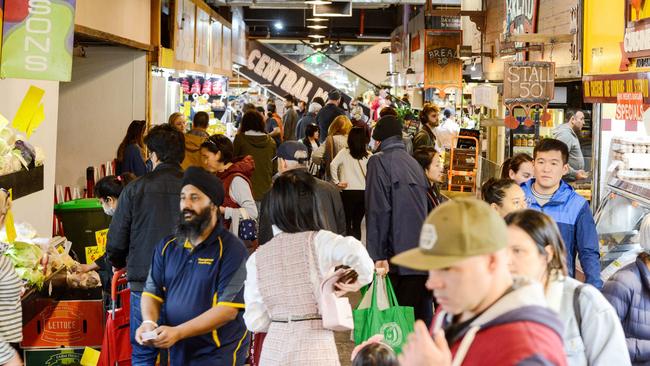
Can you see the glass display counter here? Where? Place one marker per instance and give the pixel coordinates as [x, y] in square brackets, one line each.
[618, 219]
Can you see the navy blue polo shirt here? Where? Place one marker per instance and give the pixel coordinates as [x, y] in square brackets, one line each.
[190, 281]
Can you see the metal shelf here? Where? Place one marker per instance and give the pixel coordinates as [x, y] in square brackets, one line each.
[637, 192]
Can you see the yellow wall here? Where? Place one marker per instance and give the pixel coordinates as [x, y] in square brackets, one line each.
[604, 22]
[604, 30]
[130, 19]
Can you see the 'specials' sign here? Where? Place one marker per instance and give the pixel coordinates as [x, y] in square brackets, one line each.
[629, 106]
[529, 82]
[37, 39]
[281, 75]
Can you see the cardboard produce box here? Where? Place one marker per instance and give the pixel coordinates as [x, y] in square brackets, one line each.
[66, 324]
[54, 357]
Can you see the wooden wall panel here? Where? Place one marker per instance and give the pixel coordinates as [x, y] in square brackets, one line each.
[216, 49]
[226, 60]
[554, 17]
[202, 50]
[184, 39]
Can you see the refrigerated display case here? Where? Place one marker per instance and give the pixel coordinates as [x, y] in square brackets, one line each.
[618, 220]
[623, 182]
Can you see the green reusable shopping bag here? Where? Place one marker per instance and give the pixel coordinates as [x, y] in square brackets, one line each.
[395, 322]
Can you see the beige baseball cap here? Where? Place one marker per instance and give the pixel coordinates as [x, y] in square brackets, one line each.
[456, 230]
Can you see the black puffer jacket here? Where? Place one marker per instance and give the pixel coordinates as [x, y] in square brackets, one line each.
[147, 211]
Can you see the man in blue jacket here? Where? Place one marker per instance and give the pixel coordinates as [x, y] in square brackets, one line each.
[396, 206]
[548, 193]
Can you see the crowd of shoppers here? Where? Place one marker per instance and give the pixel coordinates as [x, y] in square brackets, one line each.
[502, 272]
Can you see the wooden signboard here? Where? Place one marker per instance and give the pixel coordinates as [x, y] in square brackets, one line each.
[442, 68]
[528, 82]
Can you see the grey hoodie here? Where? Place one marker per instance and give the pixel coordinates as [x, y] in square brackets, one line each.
[601, 340]
[565, 133]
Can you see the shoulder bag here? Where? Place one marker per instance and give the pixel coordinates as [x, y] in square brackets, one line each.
[247, 227]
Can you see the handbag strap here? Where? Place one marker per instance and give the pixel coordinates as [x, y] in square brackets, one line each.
[244, 213]
[314, 277]
[576, 306]
[361, 167]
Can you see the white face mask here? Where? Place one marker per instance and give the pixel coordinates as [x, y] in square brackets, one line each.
[110, 211]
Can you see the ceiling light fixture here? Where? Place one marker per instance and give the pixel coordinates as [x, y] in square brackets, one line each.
[318, 36]
[316, 19]
[473, 68]
[278, 25]
[317, 2]
[316, 26]
[385, 50]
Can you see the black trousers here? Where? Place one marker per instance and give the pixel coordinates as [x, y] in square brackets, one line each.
[411, 291]
[355, 209]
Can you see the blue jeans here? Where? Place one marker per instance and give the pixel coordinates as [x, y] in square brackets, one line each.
[141, 355]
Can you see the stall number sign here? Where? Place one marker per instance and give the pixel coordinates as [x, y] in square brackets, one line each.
[531, 81]
[629, 106]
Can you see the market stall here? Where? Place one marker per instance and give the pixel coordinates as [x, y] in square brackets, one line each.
[63, 310]
[616, 80]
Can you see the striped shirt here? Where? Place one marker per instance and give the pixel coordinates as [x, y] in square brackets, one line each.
[11, 322]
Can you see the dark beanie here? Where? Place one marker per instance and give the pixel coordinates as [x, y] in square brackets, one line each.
[387, 126]
[206, 182]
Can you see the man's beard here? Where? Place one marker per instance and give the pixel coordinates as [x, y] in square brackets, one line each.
[193, 228]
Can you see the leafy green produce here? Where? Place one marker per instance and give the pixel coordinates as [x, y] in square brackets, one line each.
[32, 276]
[24, 254]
